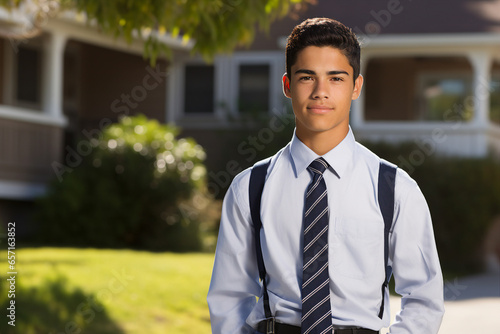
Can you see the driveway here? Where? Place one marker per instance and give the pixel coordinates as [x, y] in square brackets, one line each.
[472, 305]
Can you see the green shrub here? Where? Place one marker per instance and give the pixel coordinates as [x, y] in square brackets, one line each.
[138, 188]
[463, 195]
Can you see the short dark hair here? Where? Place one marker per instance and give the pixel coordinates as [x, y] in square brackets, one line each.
[323, 32]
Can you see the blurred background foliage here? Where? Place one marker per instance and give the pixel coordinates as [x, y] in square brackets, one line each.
[140, 187]
[212, 26]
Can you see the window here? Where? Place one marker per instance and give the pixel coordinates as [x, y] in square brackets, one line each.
[253, 94]
[23, 74]
[28, 76]
[441, 93]
[199, 89]
[234, 88]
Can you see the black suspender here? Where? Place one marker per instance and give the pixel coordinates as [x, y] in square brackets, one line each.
[386, 183]
[257, 180]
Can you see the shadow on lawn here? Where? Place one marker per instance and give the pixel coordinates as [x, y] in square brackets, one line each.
[52, 308]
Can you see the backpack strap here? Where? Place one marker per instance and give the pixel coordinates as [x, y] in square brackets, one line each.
[257, 180]
[386, 183]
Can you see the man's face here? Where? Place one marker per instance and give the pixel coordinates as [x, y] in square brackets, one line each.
[321, 88]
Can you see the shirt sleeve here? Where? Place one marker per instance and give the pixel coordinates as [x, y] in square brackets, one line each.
[235, 278]
[415, 262]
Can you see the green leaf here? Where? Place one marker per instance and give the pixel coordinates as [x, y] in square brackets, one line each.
[213, 25]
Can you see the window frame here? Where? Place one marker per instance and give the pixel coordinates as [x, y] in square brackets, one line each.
[226, 88]
[176, 94]
[274, 60]
[10, 75]
[239, 100]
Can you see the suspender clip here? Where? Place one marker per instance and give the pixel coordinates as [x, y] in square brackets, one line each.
[270, 326]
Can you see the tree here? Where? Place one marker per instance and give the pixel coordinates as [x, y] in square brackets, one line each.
[213, 26]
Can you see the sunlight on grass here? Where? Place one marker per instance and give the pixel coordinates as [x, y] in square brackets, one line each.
[111, 291]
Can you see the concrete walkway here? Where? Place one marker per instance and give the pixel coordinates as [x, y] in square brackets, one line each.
[472, 305]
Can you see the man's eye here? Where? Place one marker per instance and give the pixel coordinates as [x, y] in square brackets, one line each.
[337, 79]
[305, 78]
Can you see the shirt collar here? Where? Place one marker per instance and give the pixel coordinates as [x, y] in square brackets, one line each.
[338, 158]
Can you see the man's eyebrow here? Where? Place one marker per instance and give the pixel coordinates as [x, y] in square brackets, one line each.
[338, 72]
[304, 71]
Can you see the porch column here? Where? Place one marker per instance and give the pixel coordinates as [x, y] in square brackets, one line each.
[481, 63]
[173, 94]
[358, 106]
[52, 76]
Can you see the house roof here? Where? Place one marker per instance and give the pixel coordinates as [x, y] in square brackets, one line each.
[396, 17]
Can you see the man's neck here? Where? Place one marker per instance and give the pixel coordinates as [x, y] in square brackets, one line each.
[323, 142]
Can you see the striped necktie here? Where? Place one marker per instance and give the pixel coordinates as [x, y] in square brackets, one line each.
[316, 309]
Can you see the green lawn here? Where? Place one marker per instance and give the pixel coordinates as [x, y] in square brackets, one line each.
[65, 290]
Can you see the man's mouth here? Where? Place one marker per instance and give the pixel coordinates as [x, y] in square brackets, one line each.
[319, 109]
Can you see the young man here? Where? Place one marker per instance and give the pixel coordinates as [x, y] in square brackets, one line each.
[322, 235]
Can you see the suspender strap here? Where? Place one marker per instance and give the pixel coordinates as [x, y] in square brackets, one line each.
[386, 183]
[257, 180]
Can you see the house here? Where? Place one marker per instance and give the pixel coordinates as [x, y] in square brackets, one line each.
[432, 75]
[67, 82]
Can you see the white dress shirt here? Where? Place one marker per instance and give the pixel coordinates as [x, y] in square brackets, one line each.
[356, 247]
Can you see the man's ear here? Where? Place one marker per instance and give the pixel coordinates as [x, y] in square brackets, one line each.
[286, 85]
[358, 85]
